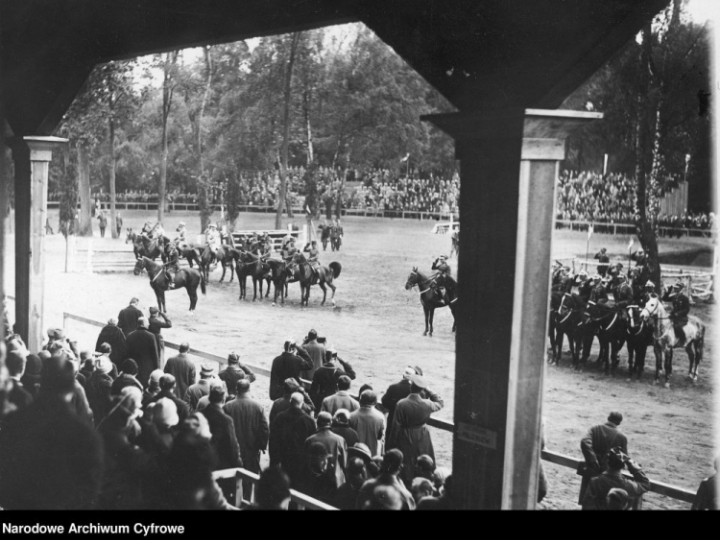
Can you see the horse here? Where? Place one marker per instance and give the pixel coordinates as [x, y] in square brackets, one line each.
[279, 273]
[639, 336]
[189, 252]
[430, 297]
[249, 264]
[223, 256]
[231, 255]
[323, 275]
[611, 331]
[152, 248]
[565, 309]
[135, 239]
[188, 278]
[665, 340]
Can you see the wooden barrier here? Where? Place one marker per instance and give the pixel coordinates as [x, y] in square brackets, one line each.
[661, 488]
[303, 502]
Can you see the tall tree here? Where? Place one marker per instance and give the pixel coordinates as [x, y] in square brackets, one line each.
[287, 96]
[169, 67]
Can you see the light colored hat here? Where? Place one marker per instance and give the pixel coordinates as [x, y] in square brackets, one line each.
[155, 376]
[165, 412]
[103, 365]
[650, 284]
[133, 400]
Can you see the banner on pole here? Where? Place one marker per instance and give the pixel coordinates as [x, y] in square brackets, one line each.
[632, 241]
[590, 231]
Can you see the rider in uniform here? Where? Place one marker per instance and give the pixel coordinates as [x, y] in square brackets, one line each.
[147, 229]
[336, 233]
[603, 259]
[586, 288]
[681, 308]
[444, 277]
[313, 252]
[158, 231]
[639, 258]
[180, 239]
[649, 292]
[599, 293]
[212, 241]
[623, 297]
[266, 245]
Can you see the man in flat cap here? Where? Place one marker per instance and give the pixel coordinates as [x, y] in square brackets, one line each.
[113, 336]
[200, 389]
[410, 433]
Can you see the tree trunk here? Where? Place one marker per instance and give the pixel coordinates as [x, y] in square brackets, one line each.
[308, 130]
[286, 133]
[644, 225]
[168, 87]
[162, 181]
[112, 224]
[85, 226]
[206, 208]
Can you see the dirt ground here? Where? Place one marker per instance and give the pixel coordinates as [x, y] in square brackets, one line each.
[377, 326]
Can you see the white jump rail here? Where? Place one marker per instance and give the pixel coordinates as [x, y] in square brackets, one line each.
[303, 502]
[661, 488]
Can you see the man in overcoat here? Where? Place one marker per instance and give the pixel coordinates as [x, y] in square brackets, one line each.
[128, 317]
[293, 361]
[183, 369]
[288, 432]
[142, 347]
[595, 445]
[113, 336]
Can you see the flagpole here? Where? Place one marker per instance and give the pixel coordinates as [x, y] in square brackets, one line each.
[587, 246]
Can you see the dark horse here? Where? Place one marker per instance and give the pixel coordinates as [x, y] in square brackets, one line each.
[189, 278]
[565, 313]
[279, 273]
[611, 330]
[430, 297]
[639, 337]
[323, 275]
[249, 264]
[225, 256]
[146, 247]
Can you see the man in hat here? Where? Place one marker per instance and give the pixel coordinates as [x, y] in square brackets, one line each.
[99, 388]
[316, 351]
[603, 259]
[324, 234]
[234, 372]
[113, 335]
[290, 386]
[142, 347]
[600, 486]
[334, 443]
[347, 494]
[681, 308]
[599, 293]
[159, 320]
[153, 387]
[341, 426]
[410, 433]
[623, 296]
[396, 392]
[326, 378]
[392, 466]
[312, 256]
[318, 477]
[128, 317]
[585, 289]
[202, 388]
[182, 368]
[291, 363]
[17, 396]
[340, 399]
[369, 423]
[649, 292]
[222, 428]
[251, 426]
[212, 242]
[288, 432]
[118, 224]
[167, 391]
[595, 446]
[180, 239]
[639, 257]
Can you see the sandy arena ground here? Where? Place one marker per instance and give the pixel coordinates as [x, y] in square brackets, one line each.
[378, 327]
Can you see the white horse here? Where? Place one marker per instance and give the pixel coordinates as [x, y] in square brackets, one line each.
[665, 339]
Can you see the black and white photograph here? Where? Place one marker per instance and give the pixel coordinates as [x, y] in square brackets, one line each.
[231, 271]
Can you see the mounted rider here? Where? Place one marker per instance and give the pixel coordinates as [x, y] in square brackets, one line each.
[639, 257]
[623, 297]
[173, 256]
[444, 279]
[212, 241]
[586, 288]
[649, 292]
[147, 229]
[313, 253]
[181, 232]
[266, 245]
[599, 293]
[681, 308]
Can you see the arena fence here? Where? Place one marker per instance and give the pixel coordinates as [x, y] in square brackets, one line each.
[562, 460]
[630, 229]
[302, 501]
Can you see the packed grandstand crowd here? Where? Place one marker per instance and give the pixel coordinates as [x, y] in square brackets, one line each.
[582, 196]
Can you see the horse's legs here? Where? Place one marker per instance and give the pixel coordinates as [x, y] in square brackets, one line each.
[658, 361]
[640, 354]
[223, 274]
[332, 298]
[432, 316]
[699, 346]
[668, 366]
[254, 280]
[192, 293]
[324, 290]
[557, 349]
[631, 362]
[267, 281]
[426, 313]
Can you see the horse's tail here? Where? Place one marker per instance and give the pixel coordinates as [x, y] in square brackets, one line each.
[336, 267]
[202, 284]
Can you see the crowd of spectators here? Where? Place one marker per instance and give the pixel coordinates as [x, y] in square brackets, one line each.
[118, 428]
[610, 198]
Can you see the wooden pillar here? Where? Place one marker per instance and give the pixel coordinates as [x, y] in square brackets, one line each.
[508, 167]
[31, 156]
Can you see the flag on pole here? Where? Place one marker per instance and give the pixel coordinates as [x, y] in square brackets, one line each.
[632, 241]
[403, 160]
[590, 231]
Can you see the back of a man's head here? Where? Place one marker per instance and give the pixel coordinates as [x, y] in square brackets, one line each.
[273, 489]
[617, 499]
[421, 487]
[290, 385]
[297, 400]
[105, 348]
[392, 461]
[15, 363]
[324, 419]
[184, 347]
[142, 322]
[217, 394]
[129, 367]
[134, 301]
[167, 382]
[368, 398]
[384, 497]
[616, 458]
[242, 387]
[344, 383]
[615, 417]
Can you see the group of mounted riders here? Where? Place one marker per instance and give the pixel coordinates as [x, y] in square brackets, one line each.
[588, 312]
[252, 252]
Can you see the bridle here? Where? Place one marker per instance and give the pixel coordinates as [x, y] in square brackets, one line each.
[420, 283]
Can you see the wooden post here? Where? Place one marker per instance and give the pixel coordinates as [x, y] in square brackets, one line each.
[31, 156]
[508, 169]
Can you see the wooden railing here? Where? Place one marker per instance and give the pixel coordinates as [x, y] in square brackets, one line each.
[302, 501]
[661, 488]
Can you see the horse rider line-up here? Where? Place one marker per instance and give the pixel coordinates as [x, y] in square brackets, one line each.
[594, 290]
